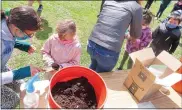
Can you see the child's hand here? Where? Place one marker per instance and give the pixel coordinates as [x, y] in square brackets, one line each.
[34, 70]
[31, 49]
[55, 66]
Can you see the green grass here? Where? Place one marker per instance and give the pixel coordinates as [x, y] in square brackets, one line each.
[85, 15]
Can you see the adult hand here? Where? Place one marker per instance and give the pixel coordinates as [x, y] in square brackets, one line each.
[132, 39]
[31, 49]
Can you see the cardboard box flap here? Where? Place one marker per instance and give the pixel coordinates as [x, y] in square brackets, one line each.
[143, 55]
[157, 70]
[140, 68]
[169, 80]
[169, 60]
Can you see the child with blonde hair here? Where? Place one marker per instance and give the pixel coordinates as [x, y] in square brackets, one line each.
[63, 48]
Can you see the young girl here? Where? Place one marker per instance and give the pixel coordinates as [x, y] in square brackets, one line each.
[140, 43]
[62, 49]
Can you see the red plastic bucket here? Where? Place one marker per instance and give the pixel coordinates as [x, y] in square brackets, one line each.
[178, 86]
[74, 72]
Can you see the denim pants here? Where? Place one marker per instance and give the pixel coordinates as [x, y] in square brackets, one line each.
[102, 59]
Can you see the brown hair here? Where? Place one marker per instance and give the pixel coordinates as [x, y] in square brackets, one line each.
[2, 14]
[66, 26]
[25, 18]
[147, 17]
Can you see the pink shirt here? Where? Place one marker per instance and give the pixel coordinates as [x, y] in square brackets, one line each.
[54, 51]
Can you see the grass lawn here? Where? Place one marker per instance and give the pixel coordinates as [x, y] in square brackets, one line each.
[85, 15]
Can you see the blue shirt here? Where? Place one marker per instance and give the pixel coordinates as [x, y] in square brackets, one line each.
[7, 44]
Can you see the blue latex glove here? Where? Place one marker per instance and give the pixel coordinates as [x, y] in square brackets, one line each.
[21, 73]
[24, 46]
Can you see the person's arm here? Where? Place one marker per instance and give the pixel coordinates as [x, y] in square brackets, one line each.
[155, 32]
[174, 46]
[46, 50]
[74, 61]
[136, 24]
[102, 3]
[17, 74]
[24, 46]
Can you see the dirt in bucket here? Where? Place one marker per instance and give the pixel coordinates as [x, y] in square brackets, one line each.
[75, 93]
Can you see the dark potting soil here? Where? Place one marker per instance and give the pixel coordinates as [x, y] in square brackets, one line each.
[75, 93]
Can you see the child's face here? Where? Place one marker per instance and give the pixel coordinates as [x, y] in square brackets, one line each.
[173, 21]
[144, 25]
[69, 36]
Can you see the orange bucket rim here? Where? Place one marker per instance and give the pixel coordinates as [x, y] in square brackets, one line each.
[50, 94]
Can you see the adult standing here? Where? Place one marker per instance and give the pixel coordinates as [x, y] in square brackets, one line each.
[148, 4]
[177, 6]
[21, 24]
[40, 8]
[107, 36]
[163, 6]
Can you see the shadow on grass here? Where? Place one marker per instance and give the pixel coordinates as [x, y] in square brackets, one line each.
[44, 33]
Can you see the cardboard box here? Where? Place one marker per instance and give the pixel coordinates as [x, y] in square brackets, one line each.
[141, 82]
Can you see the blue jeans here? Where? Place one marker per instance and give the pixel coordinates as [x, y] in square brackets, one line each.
[102, 59]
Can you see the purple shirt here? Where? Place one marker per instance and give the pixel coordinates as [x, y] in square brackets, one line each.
[140, 43]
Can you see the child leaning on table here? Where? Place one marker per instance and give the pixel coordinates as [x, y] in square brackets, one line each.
[63, 48]
[140, 43]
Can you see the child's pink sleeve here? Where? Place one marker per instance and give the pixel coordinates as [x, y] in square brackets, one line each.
[46, 52]
[75, 60]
